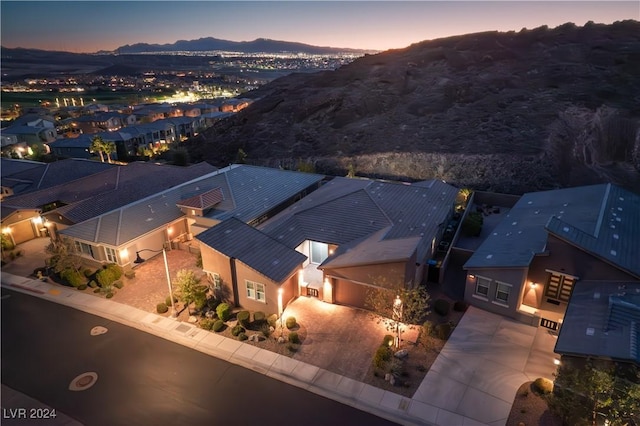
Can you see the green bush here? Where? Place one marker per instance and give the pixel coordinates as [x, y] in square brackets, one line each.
[213, 303]
[293, 337]
[242, 336]
[427, 328]
[381, 357]
[162, 308]
[167, 300]
[441, 307]
[87, 272]
[259, 316]
[118, 284]
[292, 347]
[207, 323]
[130, 274]
[443, 330]
[243, 318]
[109, 274]
[96, 290]
[542, 385]
[291, 322]
[237, 330]
[265, 329]
[218, 325]
[93, 284]
[224, 311]
[387, 340]
[109, 295]
[272, 320]
[82, 287]
[460, 306]
[72, 277]
[472, 225]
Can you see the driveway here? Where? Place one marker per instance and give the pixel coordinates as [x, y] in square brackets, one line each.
[481, 367]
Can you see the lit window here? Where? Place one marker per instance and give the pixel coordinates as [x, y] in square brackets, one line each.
[256, 291]
[502, 292]
[482, 286]
[111, 254]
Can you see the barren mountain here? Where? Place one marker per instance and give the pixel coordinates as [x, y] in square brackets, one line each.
[511, 112]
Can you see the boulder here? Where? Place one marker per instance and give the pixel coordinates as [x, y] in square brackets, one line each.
[210, 314]
[401, 354]
[281, 339]
[193, 319]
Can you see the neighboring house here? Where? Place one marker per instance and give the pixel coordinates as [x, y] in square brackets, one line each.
[235, 105]
[30, 134]
[352, 233]
[212, 117]
[602, 321]
[186, 127]
[112, 227]
[78, 147]
[102, 122]
[21, 225]
[547, 244]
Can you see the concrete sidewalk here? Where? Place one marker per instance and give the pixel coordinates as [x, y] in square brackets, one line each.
[472, 382]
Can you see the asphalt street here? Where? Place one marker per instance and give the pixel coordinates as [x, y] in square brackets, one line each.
[143, 379]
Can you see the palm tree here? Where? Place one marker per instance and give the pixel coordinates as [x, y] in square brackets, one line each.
[97, 145]
[109, 148]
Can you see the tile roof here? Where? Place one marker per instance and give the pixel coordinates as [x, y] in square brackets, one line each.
[602, 320]
[521, 234]
[204, 200]
[234, 238]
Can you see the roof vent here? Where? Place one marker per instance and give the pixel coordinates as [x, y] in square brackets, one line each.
[621, 198]
[616, 236]
[596, 295]
[565, 229]
[228, 231]
[489, 256]
[565, 204]
[530, 202]
[275, 262]
[619, 209]
[514, 223]
[613, 252]
[590, 331]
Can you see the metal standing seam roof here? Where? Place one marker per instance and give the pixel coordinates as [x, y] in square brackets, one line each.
[521, 234]
[616, 238]
[236, 239]
[602, 320]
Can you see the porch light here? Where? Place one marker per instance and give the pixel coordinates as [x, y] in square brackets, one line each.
[472, 277]
[124, 253]
[556, 361]
[280, 292]
[6, 230]
[532, 284]
[37, 220]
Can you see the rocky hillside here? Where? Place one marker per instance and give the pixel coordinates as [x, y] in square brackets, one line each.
[510, 112]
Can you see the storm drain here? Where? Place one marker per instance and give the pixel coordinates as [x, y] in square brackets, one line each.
[98, 330]
[83, 382]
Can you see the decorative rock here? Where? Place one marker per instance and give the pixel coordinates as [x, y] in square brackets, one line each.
[210, 314]
[193, 319]
[388, 377]
[392, 380]
[272, 329]
[402, 353]
[259, 337]
[281, 339]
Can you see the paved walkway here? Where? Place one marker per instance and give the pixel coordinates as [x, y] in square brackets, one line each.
[472, 382]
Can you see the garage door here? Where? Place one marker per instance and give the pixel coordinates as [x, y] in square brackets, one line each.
[22, 231]
[350, 293]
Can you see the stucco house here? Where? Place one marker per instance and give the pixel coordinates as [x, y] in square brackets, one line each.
[548, 244]
[352, 234]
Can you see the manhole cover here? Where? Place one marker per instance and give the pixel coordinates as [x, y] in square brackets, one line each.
[98, 330]
[83, 382]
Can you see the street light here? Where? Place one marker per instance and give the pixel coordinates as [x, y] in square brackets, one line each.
[397, 314]
[138, 260]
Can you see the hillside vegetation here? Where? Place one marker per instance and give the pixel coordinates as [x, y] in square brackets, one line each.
[509, 112]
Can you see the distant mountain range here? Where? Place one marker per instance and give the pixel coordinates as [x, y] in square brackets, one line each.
[255, 46]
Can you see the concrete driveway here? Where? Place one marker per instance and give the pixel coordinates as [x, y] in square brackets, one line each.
[481, 367]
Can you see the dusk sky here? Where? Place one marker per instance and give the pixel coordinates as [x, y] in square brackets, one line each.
[90, 26]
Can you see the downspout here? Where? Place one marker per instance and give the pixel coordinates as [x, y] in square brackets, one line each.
[234, 281]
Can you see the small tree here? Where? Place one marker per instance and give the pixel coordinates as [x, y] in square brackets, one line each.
[63, 256]
[415, 301]
[189, 288]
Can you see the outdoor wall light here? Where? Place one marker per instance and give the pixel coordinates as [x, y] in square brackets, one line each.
[532, 284]
[472, 277]
[556, 361]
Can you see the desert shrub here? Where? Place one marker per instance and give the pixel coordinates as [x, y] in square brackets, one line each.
[207, 323]
[265, 329]
[130, 274]
[292, 347]
[93, 284]
[237, 330]
[118, 284]
[291, 322]
[218, 325]
[293, 337]
[107, 276]
[162, 308]
[443, 330]
[82, 287]
[381, 357]
[396, 368]
[243, 318]
[460, 306]
[213, 303]
[223, 311]
[200, 303]
[542, 385]
[72, 277]
[427, 328]
[259, 316]
[441, 307]
[96, 290]
[87, 272]
[167, 300]
[242, 336]
[108, 295]
[387, 340]
[472, 225]
[272, 320]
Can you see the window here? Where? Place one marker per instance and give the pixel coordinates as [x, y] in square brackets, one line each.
[559, 286]
[255, 291]
[214, 279]
[83, 248]
[482, 286]
[319, 252]
[111, 254]
[502, 292]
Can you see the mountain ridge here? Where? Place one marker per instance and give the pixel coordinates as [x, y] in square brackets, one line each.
[505, 111]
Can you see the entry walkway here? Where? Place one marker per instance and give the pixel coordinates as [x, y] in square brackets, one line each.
[473, 381]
